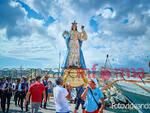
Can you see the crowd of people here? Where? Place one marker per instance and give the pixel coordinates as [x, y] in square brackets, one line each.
[23, 91]
[37, 92]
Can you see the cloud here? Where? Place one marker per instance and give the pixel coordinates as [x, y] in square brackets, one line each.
[12, 17]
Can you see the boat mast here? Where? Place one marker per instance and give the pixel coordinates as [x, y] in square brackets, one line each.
[106, 60]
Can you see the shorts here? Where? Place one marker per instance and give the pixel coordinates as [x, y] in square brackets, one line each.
[35, 106]
[49, 91]
[78, 102]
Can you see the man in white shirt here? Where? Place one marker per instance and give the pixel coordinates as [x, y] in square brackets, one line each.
[61, 95]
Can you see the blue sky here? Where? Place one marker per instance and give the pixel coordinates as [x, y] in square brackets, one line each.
[31, 32]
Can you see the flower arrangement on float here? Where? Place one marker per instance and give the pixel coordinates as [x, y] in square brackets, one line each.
[66, 34]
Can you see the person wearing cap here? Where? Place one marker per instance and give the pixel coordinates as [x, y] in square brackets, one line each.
[7, 93]
[61, 95]
[93, 95]
[36, 90]
[23, 88]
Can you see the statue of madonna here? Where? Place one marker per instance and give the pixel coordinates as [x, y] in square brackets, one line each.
[74, 41]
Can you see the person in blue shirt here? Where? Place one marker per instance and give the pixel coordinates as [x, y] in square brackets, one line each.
[93, 95]
[23, 89]
[45, 82]
[16, 92]
[7, 93]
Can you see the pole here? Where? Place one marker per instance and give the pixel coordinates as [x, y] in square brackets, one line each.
[59, 63]
[21, 71]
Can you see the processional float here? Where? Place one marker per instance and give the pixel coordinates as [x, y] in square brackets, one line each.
[74, 68]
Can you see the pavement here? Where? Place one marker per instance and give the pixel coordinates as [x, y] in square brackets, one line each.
[50, 108]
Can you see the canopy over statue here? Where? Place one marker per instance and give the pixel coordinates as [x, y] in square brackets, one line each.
[74, 65]
[74, 41]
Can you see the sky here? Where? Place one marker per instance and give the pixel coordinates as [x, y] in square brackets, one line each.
[31, 32]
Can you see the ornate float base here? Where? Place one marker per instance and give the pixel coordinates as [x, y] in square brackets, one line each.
[75, 77]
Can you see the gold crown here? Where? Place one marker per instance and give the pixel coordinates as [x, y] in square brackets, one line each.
[74, 23]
